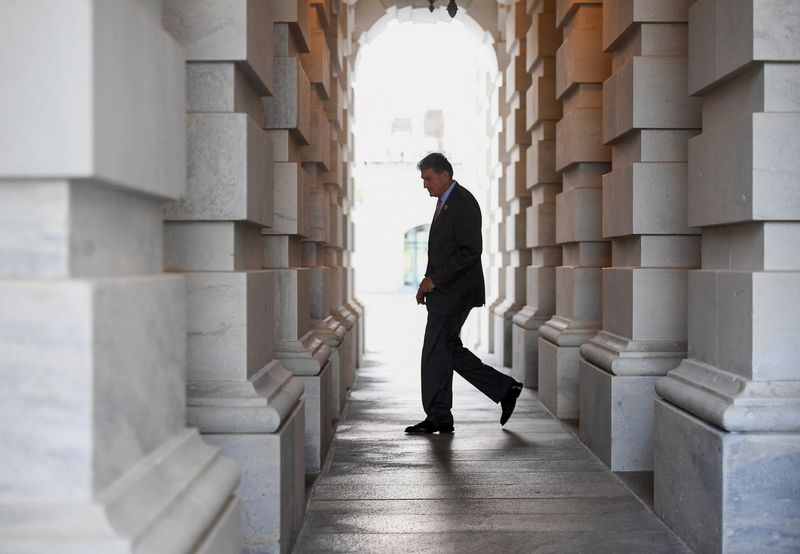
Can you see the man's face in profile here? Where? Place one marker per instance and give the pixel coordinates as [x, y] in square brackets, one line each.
[436, 183]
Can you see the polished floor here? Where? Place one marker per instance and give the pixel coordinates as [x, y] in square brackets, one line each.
[528, 487]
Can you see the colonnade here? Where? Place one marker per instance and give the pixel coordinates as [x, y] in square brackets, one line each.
[176, 258]
[178, 326]
[660, 295]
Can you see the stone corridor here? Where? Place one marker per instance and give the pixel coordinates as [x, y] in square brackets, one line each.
[182, 183]
[531, 487]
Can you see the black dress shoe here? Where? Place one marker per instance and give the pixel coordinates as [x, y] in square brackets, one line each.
[427, 427]
[510, 401]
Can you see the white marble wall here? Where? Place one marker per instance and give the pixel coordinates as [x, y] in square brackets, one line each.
[239, 396]
[544, 182]
[316, 331]
[648, 119]
[582, 159]
[516, 197]
[338, 184]
[96, 453]
[494, 226]
[727, 442]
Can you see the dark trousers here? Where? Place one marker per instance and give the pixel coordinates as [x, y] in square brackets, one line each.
[443, 352]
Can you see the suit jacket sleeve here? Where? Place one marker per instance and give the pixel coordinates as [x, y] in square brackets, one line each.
[469, 244]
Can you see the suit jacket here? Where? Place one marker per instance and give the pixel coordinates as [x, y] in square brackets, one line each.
[454, 256]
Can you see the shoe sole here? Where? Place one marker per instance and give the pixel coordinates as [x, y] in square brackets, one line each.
[440, 431]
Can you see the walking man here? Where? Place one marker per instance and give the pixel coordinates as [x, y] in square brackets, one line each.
[452, 286]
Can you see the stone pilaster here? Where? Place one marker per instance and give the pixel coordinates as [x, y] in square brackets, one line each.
[484, 108]
[648, 119]
[338, 182]
[544, 182]
[727, 426]
[515, 195]
[340, 37]
[581, 68]
[494, 226]
[96, 455]
[239, 396]
[316, 160]
[296, 130]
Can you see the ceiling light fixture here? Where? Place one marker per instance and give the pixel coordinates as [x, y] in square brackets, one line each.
[452, 7]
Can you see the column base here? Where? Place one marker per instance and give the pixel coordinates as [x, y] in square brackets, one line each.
[525, 356]
[490, 330]
[726, 492]
[348, 355]
[617, 417]
[348, 348]
[333, 335]
[175, 499]
[318, 418]
[525, 346]
[359, 309]
[558, 378]
[226, 533]
[272, 488]
[358, 330]
[503, 316]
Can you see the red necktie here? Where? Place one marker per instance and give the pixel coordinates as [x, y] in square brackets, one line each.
[438, 208]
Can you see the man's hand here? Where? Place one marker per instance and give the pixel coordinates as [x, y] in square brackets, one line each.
[426, 286]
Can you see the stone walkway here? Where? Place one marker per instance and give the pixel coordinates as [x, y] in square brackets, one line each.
[528, 487]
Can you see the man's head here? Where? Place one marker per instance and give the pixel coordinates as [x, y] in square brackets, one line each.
[436, 173]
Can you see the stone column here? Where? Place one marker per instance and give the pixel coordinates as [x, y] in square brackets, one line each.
[96, 456]
[338, 184]
[486, 108]
[648, 119]
[494, 226]
[288, 117]
[516, 196]
[324, 324]
[240, 397]
[581, 68]
[727, 426]
[316, 160]
[544, 182]
[340, 39]
[498, 202]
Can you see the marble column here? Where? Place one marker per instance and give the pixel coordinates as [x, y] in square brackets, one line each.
[349, 156]
[340, 37]
[485, 109]
[499, 209]
[316, 160]
[288, 118]
[336, 21]
[343, 148]
[544, 182]
[240, 397]
[648, 119]
[582, 159]
[727, 424]
[336, 181]
[494, 225]
[96, 455]
[516, 196]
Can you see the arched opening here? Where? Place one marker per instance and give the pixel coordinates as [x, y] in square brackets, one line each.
[414, 250]
[423, 83]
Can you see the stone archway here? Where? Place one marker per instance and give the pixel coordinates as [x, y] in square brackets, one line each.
[475, 99]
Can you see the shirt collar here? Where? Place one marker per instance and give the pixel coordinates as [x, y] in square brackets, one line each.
[446, 194]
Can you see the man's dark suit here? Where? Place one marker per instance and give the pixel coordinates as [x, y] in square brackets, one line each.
[454, 266]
